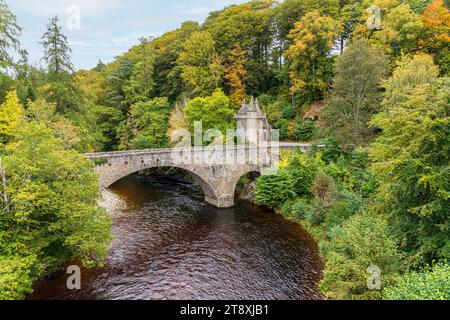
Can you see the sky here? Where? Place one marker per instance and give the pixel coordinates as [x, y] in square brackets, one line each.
[103, 29]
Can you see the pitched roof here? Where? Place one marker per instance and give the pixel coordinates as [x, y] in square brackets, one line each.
[253, 106]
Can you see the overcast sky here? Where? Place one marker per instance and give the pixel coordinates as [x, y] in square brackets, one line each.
[107, 27]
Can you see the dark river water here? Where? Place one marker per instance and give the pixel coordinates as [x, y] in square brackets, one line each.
[169, 244]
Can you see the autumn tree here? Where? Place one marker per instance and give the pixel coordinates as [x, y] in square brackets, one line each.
[436, 20]
[11, 115]
[201, 66]
[309, 55]
[235, 73]
[399, 30]
[249, 26]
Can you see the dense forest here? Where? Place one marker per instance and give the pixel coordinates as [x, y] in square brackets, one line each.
[368, 81]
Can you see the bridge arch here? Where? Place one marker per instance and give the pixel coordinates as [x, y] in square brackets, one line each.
[217, 179]
[108, 180]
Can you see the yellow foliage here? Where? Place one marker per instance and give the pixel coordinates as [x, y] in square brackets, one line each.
[11, 114]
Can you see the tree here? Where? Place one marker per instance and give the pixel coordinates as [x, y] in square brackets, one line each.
[356, 93]
[201, 66]
[167, 76]
[9, 34]
[27, 79]
[418, 6]
[436, 21]
[215, 112]
[141, 84]
[399, 33]
[11, 116]
[116, 81]
[411, 158]
[54, 215]
[57, 51]
[362, 241]
[310, 64]
[249, 26]
[432, 283]
[147, 125]
[235, 74]
[350, 17]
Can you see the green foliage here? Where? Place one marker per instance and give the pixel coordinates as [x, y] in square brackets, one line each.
[215, 112]
[16, 276]
[6, 83]
[362, 241]
[57, 50]
[11, 116]
[107, 120]
[328, 148]
[148, 123]
[289, 112]
[344, 209]
[9, 34]
[432, 283]
[412, 158]
[51, 213]
[401, 29]
[248, 26]
[418, 5]
[305, 131]
[303, 169]
[273, 190]
[297, 209]
[202, 68]
[356, 95]
[140, 84]
[325, 196]
[292, 181]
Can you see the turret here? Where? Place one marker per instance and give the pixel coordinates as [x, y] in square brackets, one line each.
[252, 124]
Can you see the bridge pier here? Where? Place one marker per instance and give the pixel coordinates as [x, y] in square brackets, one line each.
[222, 202]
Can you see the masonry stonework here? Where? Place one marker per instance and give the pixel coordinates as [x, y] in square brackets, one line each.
[216, 169]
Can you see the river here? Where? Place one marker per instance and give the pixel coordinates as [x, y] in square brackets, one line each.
[169, 244]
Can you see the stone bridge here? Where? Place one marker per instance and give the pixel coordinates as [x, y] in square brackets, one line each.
[216, 169]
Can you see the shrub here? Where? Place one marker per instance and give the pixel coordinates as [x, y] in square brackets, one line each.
[303, 169]
[329, 149]
[305, 131]
[289, 112]
[430, 284]
[362, 241]
[343, 210]
[318, 212]
[323, 187]
[283, 127]
[297, 209]
[274, 190]
[17, 275]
